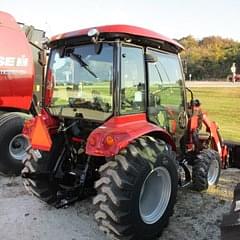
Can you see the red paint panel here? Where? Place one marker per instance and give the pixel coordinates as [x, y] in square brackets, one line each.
[49, 88]
[16, 65]
[132, 30]
[118, 132]
[213, 128]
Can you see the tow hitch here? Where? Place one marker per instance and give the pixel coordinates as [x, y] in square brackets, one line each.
[66, 195]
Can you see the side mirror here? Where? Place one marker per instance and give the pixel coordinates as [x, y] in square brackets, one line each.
[42, 57]
[98, 47]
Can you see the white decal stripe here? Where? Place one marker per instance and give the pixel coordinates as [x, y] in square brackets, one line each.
[9, 61]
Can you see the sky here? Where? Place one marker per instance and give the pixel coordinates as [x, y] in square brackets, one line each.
[173, 18]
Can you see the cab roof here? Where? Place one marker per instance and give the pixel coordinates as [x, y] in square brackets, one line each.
[121, 30]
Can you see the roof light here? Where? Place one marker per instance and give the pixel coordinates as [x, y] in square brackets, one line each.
[94, 33]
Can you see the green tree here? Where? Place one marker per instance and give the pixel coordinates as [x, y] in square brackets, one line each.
[210, 57]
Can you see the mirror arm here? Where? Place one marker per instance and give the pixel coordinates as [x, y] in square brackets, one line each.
[189, 90]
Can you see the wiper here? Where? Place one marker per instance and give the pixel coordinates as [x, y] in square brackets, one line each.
[165, 71]
[158, 71]
[83, 64]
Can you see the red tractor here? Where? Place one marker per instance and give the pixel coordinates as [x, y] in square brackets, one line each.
[20, 74]
[116, 123]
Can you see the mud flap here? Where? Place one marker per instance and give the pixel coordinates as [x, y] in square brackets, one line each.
[230, 227]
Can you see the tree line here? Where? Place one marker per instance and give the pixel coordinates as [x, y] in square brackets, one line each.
[210, 57]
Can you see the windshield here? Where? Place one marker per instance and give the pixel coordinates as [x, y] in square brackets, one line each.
[82, 79]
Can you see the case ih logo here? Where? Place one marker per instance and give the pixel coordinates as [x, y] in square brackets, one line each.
[13, 61]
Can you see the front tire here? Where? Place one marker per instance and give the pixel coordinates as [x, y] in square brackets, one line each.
[137, 190]
[206, 170]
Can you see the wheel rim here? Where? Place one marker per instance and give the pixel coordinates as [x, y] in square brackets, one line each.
[155, 195]
[17, 147]
[213, 172]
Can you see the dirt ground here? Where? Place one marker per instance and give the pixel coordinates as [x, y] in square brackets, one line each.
[22, 217]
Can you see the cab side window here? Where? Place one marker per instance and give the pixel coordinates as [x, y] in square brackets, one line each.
[166, 96]
[132, 80]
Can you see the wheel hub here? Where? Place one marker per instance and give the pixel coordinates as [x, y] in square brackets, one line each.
[155, 195]
[213, 172]
[17, 147]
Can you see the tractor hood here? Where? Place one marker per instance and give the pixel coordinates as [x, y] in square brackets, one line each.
[16, 65]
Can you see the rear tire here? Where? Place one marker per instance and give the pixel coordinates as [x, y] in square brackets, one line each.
[45, 187]
[206, 170]
[12, 144]
[137, 191]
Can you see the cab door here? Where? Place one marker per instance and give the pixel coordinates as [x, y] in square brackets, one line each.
[166, 94]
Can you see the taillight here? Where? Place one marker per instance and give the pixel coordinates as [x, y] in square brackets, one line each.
[92, 141]
[109, 140]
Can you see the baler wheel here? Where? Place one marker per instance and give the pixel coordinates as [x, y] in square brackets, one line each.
[12, 144]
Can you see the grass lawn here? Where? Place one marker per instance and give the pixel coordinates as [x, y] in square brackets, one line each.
[222, 106]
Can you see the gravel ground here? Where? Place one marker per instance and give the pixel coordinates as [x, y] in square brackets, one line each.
[22, 217]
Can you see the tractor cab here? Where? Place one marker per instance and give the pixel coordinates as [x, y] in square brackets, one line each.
[116, 72]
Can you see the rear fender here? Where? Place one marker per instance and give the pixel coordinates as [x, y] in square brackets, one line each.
[115, 134]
